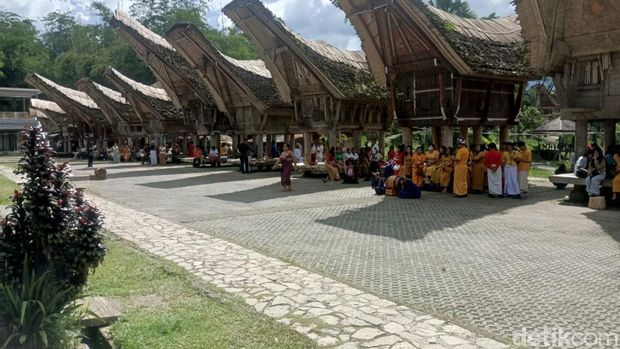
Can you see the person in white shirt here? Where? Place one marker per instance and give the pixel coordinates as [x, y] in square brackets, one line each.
[297, 153]
[319, 152]
[214, 156]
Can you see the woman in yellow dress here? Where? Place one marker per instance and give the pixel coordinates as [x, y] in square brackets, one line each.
[446, 166]
[478, 170]
[460, 170]
[418, 159]
[432, 162]
[405, 169]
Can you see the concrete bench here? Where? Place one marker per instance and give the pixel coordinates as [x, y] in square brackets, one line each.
[578, 193]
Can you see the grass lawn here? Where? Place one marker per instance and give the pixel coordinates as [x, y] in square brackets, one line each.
[167, 308]
[540, 173]
[7, 187]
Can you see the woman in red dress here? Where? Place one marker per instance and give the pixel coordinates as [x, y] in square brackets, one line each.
[399, 159]
[286, 160]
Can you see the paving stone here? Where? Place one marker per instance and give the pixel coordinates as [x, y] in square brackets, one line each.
[383, 341]
[277, 311]
[403, 345]
[329, 319]
[326, 341]
[367, 333]
[422, 259]
[452, 340]
[393, 327]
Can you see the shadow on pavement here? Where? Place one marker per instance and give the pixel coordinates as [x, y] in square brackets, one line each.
[440, 211]
[274, 191]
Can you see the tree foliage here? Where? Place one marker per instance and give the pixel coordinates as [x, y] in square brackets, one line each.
[460, 8]
[67, 50]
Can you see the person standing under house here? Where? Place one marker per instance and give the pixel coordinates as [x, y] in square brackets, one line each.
[461, 170]
[406, 169]
[90, 153]
[298, 153]
[244, 162]
[116, 156]
[163, 154]
[493, 164]
[319, 151]
[511, 180]
[524, 163]
[478, 169]
[432, 160]
[287, 160]
[446, 166]
[417, 160]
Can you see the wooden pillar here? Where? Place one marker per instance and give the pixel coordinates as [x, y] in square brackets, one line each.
[381, 141]
[609, 130]
[307, 145]
[235, 142]
[333, 138]
[269, 139]
[504, 133]
[436, 136]
[184, 144]
[407, 136]
[446, 136]
[477, 134]
[258, 141]
[581, 138]
[463, 131]
[357, 139]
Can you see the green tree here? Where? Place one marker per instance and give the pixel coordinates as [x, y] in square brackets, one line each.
[21, 50]
[460, 8]
[58, 29]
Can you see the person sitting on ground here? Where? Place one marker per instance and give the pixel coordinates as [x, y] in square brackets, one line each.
[597, 171]
[349, 174]
[417, 159]
[399, 159]
[330, 166]
[378, 183]
[409, 190]
[391, 153]
[198, 158]
[214, 156]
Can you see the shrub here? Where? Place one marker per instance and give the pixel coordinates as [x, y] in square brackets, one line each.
[34, 313]
[51, 226]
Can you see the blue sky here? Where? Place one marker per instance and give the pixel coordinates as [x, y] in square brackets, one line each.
[313, 19]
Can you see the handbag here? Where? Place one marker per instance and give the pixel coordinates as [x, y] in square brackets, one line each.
[581, 173]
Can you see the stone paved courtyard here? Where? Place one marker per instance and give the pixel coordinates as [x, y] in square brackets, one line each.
[494, 266]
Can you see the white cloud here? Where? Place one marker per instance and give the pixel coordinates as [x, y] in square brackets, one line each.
[313, 19]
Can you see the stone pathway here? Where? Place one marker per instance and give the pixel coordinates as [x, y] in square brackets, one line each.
[329, 312]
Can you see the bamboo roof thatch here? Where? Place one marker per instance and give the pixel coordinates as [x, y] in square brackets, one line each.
[489, 47]
[556, 126]
[344, 73]
[73, 102]
[111, 102]
[44, 105]
[180, 81]
[250, 76]
[153, 98]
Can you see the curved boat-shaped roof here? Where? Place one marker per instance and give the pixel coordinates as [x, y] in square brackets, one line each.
[111, 102]
[344, 73]
[251, 77]
[179, 80]
[484, 47]
[155, 98]
[74, 102]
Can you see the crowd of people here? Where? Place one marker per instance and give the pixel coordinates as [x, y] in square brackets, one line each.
[596, 166]
[465, 170]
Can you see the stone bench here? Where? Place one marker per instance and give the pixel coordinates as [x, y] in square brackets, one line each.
[578, 193]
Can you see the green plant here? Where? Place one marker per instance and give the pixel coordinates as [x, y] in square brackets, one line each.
[34, 313]
[50, 225]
